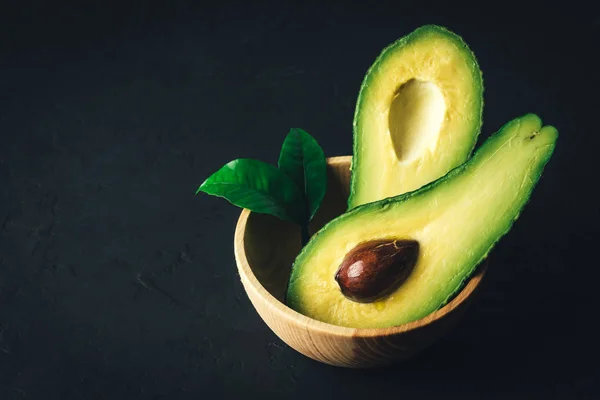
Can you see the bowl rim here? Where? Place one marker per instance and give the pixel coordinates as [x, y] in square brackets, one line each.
[283, 311]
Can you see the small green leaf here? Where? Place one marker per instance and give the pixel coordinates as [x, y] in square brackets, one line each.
[304, 161]
[257, 186]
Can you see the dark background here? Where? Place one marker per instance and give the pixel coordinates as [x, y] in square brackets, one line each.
[116, 281]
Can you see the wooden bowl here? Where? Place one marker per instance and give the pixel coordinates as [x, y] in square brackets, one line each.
[265, 248]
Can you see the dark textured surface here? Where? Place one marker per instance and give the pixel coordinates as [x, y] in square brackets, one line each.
[117, 282]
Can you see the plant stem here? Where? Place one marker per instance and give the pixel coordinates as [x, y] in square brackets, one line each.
[305, 235]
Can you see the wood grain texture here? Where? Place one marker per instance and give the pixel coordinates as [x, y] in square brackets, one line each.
[265, 249]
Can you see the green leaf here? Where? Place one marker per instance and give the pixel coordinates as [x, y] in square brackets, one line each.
[257, 186]
[304, 161]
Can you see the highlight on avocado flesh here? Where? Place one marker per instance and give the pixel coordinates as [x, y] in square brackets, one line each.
[374, 269]
[456, 220]
[418, 114]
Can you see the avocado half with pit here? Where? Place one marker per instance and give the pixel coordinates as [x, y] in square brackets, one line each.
[418, 114]
[426, 243]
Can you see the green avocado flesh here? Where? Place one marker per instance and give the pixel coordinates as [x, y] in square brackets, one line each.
[418, 114]
[457, 220]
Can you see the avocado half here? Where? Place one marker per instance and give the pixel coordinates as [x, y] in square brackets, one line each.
[456, 220]
[418, 114]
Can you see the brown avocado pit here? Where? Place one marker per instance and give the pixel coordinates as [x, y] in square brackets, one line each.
[374, 269]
